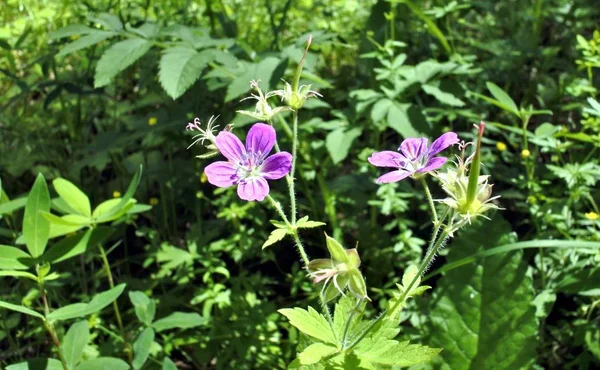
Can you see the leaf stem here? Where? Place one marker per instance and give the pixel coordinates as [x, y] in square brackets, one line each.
[292, 180]
[111, 283]
[49, 325]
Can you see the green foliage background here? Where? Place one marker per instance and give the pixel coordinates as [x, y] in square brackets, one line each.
[90, 90]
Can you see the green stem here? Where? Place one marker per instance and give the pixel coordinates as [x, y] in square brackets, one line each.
[292, 227]
[111, 283]
[430, 200]
[292, 180]
[428, 257]
[49, 326]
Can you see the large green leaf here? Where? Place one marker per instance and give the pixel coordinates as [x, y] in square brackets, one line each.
[339, 142]
[97, 303]
[505, 100]
[74, 245]
[141, 348]
[118, 57]
[131, 189]
[36, 229]
[168, 364]
[180, 67]
[103, 363]
[312, 354]
[12, 258]
[180, 320]
[310, 323]
[13, 205]
[73, 196]
[145, 308]
[481, 313]
[74, 342]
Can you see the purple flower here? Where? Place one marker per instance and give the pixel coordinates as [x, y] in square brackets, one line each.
[415, 157]
[249, 167]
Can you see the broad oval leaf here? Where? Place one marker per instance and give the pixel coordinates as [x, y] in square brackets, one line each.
[36, 229]
[141, 348]
[103, 363]
[37, 364]
[501, 96]
[74, 342]
[73, 196]
[145, 308]
[179, 320]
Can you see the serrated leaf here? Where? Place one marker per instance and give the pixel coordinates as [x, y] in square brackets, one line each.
[74, 342]
[70, 30]
[12, 258]
[483, 317]
[85, 42]
[501, 96]
[21, 309]
[36, 229]
[275, 236]
[442, 96]
[310, 323]
[118, 57]
[73, 196]
[312, 354]
[179, 320]
[305, 223]
[109, 21]
[343, 310]
[399, 354]
[97, 303]
[141, 348]
[180, 67]
[103, 363]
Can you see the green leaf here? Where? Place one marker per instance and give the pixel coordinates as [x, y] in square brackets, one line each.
[168, 364]
[70, 30]
[304, 223]
[141, 348]
[86, 41]
[505, 100]
[275, 236]
[482, 302]
[145, 308]
[97, 303]
[73, 196]
[109, 21]
[12, 258]
[131, 189]
[339, 142]
[310, 323]
[180, 320]
[106, 206]
[118, 57]
[406, 120]
[37, 364]
[74, 342]
[312, 354]
[103, 363]
[264, 71]
[398, 354]
[21, 309]
[36, 228]
[380, 109]
[18, 274]
[180, 67]
[13, 205]
[431, 26]
[67, 220]
[442, 96]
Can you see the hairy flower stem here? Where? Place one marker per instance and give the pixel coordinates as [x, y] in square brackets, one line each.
[430, 200]
[111, 283]
[292, 227]
[291, 178]
[432, 251]
[49, 327]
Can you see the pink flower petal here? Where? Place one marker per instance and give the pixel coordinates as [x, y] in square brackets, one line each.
[433, 164]
[393, 176]
[387, 158]
[260, 139]
[230, 146]
[413, 148]
[276, 166]
[222, 174]
[442, 142]
[254, 188]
